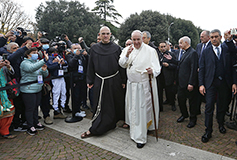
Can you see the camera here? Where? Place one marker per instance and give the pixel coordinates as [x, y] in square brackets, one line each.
[44, 33]
[23, 32]
[16, 33]
[63, 36]
[61, 46]
[59, 38]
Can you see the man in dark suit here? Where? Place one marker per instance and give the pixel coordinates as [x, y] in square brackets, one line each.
[167, 76]
[187, 81]
[146, 38]
[205, 42]
[217, 78]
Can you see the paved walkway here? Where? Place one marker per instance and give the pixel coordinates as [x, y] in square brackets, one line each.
[62, 141]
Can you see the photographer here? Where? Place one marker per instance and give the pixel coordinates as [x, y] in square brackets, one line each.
[16, 58]
[77, 60]
[9, 49]
[32, 70]
[231, 43]
[4, 39]
[13, 36]
[62, 46]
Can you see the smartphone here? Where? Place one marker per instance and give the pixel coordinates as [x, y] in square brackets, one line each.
[35, 44]
[4, 56]
[233, 31]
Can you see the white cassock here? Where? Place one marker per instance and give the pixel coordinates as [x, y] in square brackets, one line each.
[138, 109]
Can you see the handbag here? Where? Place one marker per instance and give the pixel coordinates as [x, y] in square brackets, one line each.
[12, 92]
[46, 88]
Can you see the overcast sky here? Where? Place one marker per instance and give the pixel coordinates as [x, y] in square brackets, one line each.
[207, 14]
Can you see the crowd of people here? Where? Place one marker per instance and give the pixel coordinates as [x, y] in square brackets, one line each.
[122, 83]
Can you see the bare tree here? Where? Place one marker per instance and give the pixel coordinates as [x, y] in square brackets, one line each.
[12, 16]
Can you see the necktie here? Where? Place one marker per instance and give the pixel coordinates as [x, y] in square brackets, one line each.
[181, 53]
[218, 52]
[203, 47]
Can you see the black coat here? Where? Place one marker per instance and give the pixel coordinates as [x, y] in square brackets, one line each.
[207, 66]
[168, 72]
[187, 68]
[199, 49]
[73, 64]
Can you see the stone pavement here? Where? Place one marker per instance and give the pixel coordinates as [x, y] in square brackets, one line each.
[62, 141]
[51, 144]
[222, 144]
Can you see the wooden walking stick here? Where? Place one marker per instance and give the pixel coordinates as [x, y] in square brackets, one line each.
[232, 107]
[153, 107]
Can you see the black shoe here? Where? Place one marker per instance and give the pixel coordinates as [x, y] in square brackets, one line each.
[32, 131]
[173, 108]
[166, 102]
[20, 129]
[191, 124]
[73, 119]
[222, 129]
[67, 110]
[39, 127]
[181, 119]
[85, 107]
[206, 137]
[140, 145]
[227, 113]
[231, 125]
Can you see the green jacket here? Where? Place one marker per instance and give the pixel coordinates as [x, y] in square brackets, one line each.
[29, 72]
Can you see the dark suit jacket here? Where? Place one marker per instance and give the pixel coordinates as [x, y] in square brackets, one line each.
[199, 48]
[168, 72]
[187, 68]
[176, 53]
[207, 66]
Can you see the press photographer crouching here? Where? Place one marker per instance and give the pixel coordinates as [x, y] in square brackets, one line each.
[77, 61]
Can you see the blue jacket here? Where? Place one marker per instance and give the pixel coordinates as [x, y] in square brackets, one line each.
[54, 67]
[29, 72]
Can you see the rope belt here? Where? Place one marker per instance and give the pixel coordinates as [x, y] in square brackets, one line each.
[101, 91]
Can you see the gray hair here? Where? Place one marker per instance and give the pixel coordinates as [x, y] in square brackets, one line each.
[216, 30]
[75, 44]
[137, 31]
[186, 39]
[147, 34]
[207, 33]
[9, 46]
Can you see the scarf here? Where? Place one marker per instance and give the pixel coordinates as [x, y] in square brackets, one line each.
[6, 104]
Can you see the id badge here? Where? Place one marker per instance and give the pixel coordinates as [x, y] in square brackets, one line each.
[60, 72]
[80, 69]
[40, 79]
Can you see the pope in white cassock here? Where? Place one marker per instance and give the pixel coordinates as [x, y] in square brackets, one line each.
[140, 60]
